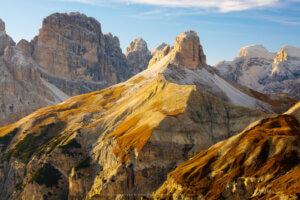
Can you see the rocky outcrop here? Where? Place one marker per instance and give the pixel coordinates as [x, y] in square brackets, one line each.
[160, 47]
[122, 141]
[5, 40]
[267, 72]
[159, 55]
[189, 52]
[262, 162]
[138, 55]
[117, 60]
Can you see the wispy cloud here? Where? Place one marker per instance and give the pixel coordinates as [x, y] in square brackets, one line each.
[219, 5]
[277, 19]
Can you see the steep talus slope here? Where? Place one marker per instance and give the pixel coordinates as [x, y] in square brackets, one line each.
[262, 162]
[22, 89]
[272, 73]
[124, 140]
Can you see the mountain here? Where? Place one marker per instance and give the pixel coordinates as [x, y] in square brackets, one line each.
[273, 73]
[22, 88]
[69, 56]
[5, 40]
[262, 162]
[138, 55]
[122, 141]
[73, 48]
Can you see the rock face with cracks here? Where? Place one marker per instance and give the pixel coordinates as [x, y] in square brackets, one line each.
[189, 52]
[138, 55]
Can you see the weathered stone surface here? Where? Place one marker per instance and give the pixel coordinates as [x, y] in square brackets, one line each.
[2, 26]
[189, 52]
[119, 69]
[72, 46]
[138, 55]
[5, 40]
[22, 89]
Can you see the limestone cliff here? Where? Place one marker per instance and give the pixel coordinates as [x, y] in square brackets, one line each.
[189, 51]
[122, 141]
[72, 46]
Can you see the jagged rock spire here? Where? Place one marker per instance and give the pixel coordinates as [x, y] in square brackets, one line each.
[189, 52]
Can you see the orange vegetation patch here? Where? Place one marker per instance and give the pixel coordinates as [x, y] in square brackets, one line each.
[125, 126]
[252, 154]
[130, 136]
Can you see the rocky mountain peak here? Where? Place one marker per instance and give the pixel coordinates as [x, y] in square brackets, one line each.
[256, 51]
[25, 46]
[2, 26]
[189, 51]
[113, 39]
[59, 21]
[137, 45]
[138, 55]
[287, 51]
[5, 40]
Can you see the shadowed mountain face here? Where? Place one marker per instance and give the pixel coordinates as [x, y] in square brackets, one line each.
[263, 71]
[262, 162]
[69, 56]
[125, 139]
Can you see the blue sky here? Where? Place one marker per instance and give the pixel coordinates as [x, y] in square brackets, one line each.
[224, 26]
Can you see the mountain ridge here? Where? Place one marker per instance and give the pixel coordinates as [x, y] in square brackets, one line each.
[266, 72]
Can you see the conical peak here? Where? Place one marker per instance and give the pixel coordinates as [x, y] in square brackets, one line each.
[188, 50]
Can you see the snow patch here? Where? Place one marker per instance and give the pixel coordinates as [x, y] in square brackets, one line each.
[256, 51]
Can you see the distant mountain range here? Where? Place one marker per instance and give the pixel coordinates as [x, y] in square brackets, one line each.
[272, 73]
